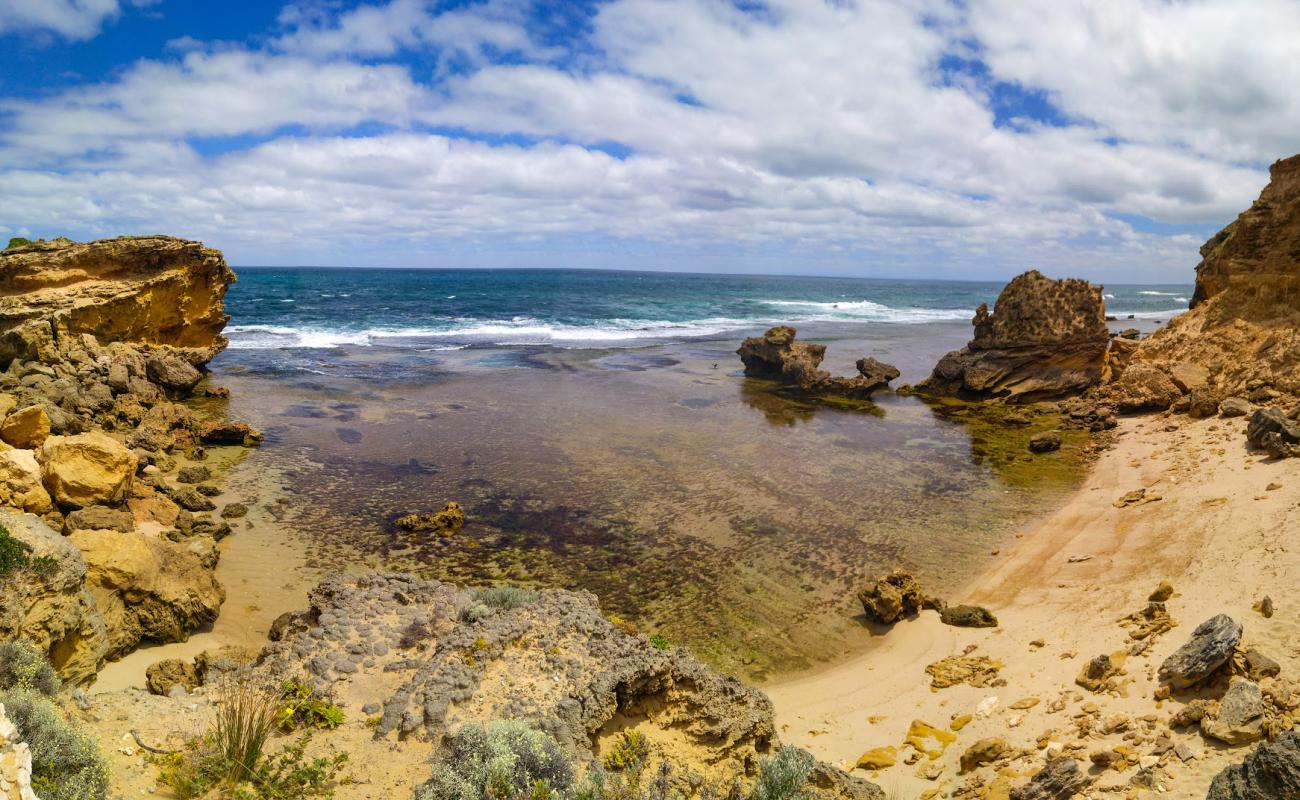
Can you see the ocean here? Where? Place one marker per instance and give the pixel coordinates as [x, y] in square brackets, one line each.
[276, 308]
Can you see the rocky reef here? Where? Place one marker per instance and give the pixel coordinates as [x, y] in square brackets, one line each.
[777, 356]
[1242, 335]
[100, 345]
[1045, 339]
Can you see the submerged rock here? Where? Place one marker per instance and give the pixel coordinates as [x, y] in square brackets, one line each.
[444, 522]
[1045, 339]
[777, 356]
[1045, 442]
[1210, 647]
[1271, 772]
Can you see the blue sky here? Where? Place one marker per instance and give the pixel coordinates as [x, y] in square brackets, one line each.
[934, 138]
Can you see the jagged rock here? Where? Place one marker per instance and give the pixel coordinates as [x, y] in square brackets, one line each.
[445, 522]
[161, 676]
[99, 518]
[21, 486]
[1244, 322]
[26, 428]
[1098, 674]
[1234, 407]
[195, 473]
[1162, 592]
[1210, 647]
[1203, 402]
[777, 356]
[1143, 387]
[1271, 772]
[1059, 779]
[190, 500]
[142, 290]
[968, 617]
[892, 597]
[1240, 718]
[375, 630]
[1044, 339]
[230, 433]
[50, 606]
[147, 587]
[1045, 442]
[172, 371]
[86, 469]
[1270, 430]
[984, 751]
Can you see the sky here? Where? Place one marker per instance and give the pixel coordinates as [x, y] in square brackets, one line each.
[1105, 139]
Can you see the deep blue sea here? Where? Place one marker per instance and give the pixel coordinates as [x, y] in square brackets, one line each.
[453, 309]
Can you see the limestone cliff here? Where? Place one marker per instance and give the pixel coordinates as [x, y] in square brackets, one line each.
[148, 290]
[1243, 329]
[1044, 339]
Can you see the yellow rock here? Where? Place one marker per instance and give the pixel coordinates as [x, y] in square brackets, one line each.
[921, 733]
[960, 722]
[878, 758]
[26, 428]
[87, 468]
[20, 482]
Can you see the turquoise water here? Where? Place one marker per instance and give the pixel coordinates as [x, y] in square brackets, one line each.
[453, 309]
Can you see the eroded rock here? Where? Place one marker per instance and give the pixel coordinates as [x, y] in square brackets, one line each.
[1271, 772]
[86, 469]
[892, 597]
[1059, 779]
[777, 356]
[1210, 647]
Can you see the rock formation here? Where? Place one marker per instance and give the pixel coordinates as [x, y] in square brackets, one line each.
[777, 356]
[1271, 772]
[428, 657]
[15, 763]
[1045, 339]
[1243, 329]
[1210, 647]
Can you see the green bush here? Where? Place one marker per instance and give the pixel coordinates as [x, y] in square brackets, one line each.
[22, 666]
[660, 642]
[302, 707]
[503, 761]
[18, 241]
[506, 598]
[783, 776]
[66, 762]
[13, 553]
[628, 753]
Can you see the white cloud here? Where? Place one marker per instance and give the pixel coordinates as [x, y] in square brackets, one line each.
[71, 19]
[819, 131]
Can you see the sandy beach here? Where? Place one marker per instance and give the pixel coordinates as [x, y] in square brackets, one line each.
[1219, 534]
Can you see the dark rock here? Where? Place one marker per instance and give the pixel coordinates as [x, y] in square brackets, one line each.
[445, 522]
[230, 433]
[1210, 647]
[1060, 779]
[1045, 442]
[1203, 402]
[1271, 431]
[1261, 666]
[99, 518]
[196, 473]
[968, 617]
[777, 356]
[191, 500]
[1272, 772]
[234, 511]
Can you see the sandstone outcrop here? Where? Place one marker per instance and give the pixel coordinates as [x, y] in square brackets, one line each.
[86, 469]
[892, 597]
[777, 356]
[1244, 324]
[1044, 339]
[432, 657]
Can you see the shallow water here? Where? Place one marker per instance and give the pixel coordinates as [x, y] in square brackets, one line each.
[693, 501]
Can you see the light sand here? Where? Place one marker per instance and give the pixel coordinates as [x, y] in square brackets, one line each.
[1218, 535]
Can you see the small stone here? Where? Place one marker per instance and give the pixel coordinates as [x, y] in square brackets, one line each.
[1045, 442]
[985, 751]
[1264, 607]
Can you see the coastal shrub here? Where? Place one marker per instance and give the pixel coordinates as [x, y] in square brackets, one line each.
[18, 241]
[504, 760]
[287, 775]
[22, 666]
[628, 753]
[66, 762]
[302, 707]
[13, 553]
[660, 642]
[783, 776]
[506, 598]
[474, 612]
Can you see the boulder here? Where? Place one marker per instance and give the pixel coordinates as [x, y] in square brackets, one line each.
[1045, 442]
[1271, 772]
[777, 356]
[1144, 387]
[51, 606]
[195, 473]
[1059, 779]
[230, 433]
[1270, 430]
[20, 483]
[1240, 718]
[892, 597]
[1234, 407]
[170, 370]
[1202, 402]
[1210, 647]
[86, 469]
[968, 617]
[1045, 339]
[161, 676]
[99, 518]
[147, 587]
[26, 428]
[1188, 377]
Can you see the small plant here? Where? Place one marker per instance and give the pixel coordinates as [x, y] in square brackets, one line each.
[474, 612]
[624, 625]
[22, 666]
[18, 241]
[660, 642]
[246, 715]
[628, 753]
[66, 762]
[288, 775]
[13, 553]
[506, 598]
[783, 776]
[302, 707]
[503, 761]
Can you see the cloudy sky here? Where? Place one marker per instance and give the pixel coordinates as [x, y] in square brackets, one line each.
[937, 138]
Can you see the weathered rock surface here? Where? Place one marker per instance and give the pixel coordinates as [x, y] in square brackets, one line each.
[15, 763]
[405, 644]
[968, 617]
[447, 521]
[1210, 647]
[26, 428]
[1244, 322]
[148, 290]
[891, 598]
[1240, 718]
[1045, 339]
[1060, 779]
[161, 676]
[86, 469]
[51, 607]
[777, 356]
[1271, 431]
[1143, 387]
[21, 486]
[1045, 442]
[1271, 772]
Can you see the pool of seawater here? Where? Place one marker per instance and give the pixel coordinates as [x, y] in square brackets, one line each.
[695, 502]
